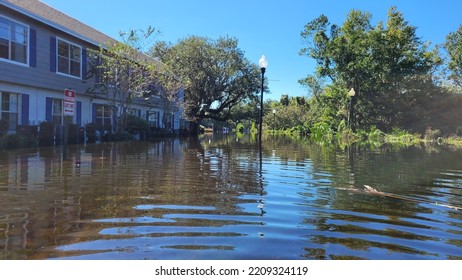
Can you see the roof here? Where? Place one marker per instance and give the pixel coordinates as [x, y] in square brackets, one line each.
[41, 12]
[54, 18]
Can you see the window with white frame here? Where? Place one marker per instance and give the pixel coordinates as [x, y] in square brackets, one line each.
[154, 118]
[132, 112]
[69, 58]
[57, 111]
[13, 40]
[57, 115]
[103, 115]
[9, 109]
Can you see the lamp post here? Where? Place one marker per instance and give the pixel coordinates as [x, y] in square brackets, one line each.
[351, 93]
[263, 62]
[274, 120]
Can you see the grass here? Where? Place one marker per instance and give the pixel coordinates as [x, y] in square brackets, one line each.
[455, 141]
[374, 137]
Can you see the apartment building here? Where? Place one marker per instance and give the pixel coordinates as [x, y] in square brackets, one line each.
[44, 71]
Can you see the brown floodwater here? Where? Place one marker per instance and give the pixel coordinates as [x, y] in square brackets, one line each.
[215, 199]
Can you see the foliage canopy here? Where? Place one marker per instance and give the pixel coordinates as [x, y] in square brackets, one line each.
[388, 66]
[215, 73]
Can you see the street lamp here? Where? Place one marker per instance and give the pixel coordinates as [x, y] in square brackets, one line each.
[351, 93]
[263, 62]
[274, 120]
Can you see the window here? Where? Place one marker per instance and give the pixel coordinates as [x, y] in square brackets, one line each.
[13, 41]
[9, 109]
[57, 111]
[154, 118]
[69, 59]
[103, 115]
[132, 112]
[54, 112]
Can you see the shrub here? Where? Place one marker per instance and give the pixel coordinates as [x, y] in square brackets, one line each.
[136, 125]
[376, 135]
[3, 126]
[402, 137]
[46, 134]
[122, 136]
[90, 129]
[240, 128]
[321, 131]
[431, 135]
[74, 134]
[12, 141]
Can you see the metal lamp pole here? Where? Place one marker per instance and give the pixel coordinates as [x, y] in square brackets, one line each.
[263, 62]
[274, 121]
[351, 93]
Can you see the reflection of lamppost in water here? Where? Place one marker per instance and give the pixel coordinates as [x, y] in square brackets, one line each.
[274, 120]
[351, 93]
[263, 62]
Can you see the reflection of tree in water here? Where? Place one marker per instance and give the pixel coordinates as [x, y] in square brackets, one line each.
[218, 173]
[333, 173]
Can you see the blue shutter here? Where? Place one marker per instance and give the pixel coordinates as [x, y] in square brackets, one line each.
[48, 109]
[139, 113]
[79, 113]
[158, 119]
[25, 109]
[53, 54]
[84, 64]
[33, 48]
[114, 117]
[147, 115]
[93, 113]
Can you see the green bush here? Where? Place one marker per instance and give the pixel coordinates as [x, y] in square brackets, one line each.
[376, 135]
[402, 137]
[46, 134]
[135, 125]
[240, 128]
[122, 136]
[431, 135]
[322, 132]
[73, 134]
[12, 141]
[3, 126]
[90, 129]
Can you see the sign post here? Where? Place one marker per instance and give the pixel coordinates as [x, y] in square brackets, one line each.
[69, 110]
[69, 102]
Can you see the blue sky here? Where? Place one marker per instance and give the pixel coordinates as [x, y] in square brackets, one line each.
[269, 27]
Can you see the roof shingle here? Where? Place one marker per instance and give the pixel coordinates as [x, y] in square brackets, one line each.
[48, 15]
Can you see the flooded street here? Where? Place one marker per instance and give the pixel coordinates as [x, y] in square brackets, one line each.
[212, 199]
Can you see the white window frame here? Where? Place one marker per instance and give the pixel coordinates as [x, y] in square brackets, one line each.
[154, 118]
[10, 110]
[57, 115]
[103, 117]
[132, 112]
[60, 119]
[68, 58]
[27, 38]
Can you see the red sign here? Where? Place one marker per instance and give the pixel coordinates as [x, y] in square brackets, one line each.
[69, 102]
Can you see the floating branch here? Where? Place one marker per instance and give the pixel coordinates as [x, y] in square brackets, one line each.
[370, 190]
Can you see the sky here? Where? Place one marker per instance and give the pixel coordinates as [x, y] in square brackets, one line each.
[263, 27]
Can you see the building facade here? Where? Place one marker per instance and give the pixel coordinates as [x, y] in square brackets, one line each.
[43, 53]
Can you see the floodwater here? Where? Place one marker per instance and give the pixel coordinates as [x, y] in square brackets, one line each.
[214, 199]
